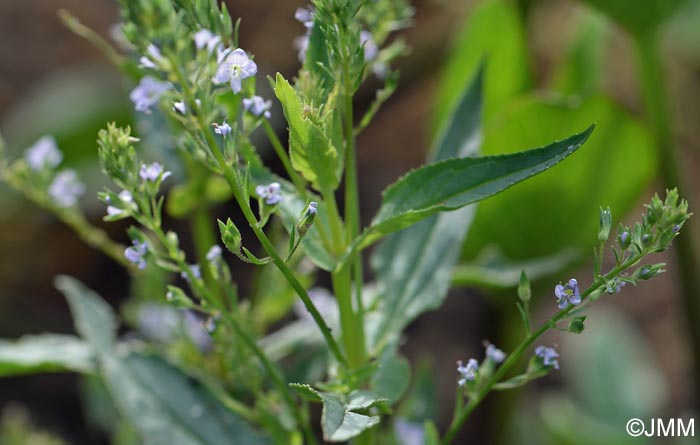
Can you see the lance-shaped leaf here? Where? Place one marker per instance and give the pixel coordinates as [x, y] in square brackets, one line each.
[45, 353]
[413, 266]
[457, 182]
[311, 151]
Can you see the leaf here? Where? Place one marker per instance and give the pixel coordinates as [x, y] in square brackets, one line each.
[339, 423]
[457, 182]
[636, 18]
[506, 73]
[311, 152]
[306, 391]
[45, 353]
[413, 266]
[94, 318]
[560, 207]
[166, 407]
[454, 183]
[393, 376]
[317, 55]
[161, 403]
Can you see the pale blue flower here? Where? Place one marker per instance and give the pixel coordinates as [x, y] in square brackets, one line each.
[147, 93]
[235, 67]
[115, 211]
[305, 16]
[153, 59]
[301, 44]
[214, 252]
[567, 294]
[136, 253]
[66, 188]
[205, 38]
[409, 433]
[43, 154]
[181, 107]
[468, 372]
[224, 129]
[153, 172]
[624, 237]
[495, 354]
[548, 356]
[126, 198]
[195, 270]
[371, 48]
[313, 208]
[271, 193]
[257, 106]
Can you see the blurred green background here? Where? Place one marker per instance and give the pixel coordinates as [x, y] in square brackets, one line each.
[552, 68]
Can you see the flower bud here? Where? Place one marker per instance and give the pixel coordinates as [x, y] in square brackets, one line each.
[231, 236]
[307, 218]
[178, 298]
[624, 239]
[524, 291]
[605, 225]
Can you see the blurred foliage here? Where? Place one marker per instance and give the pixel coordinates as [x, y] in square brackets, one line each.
[72, 105]
[635, 17]
[503, 53]
[557, 209]
[612, 377]
[561, 205]
[16, 429]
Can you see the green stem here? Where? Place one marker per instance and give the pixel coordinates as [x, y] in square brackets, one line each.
[94, 237]
[352, 214]
[515, 356]
[91, 235]
[297, 180]
[242, 200]
[202, 229]
[334, 220]
[204, 293]
[659, 115]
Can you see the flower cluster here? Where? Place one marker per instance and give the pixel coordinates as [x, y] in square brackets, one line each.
[64, 188]
[471, 371]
